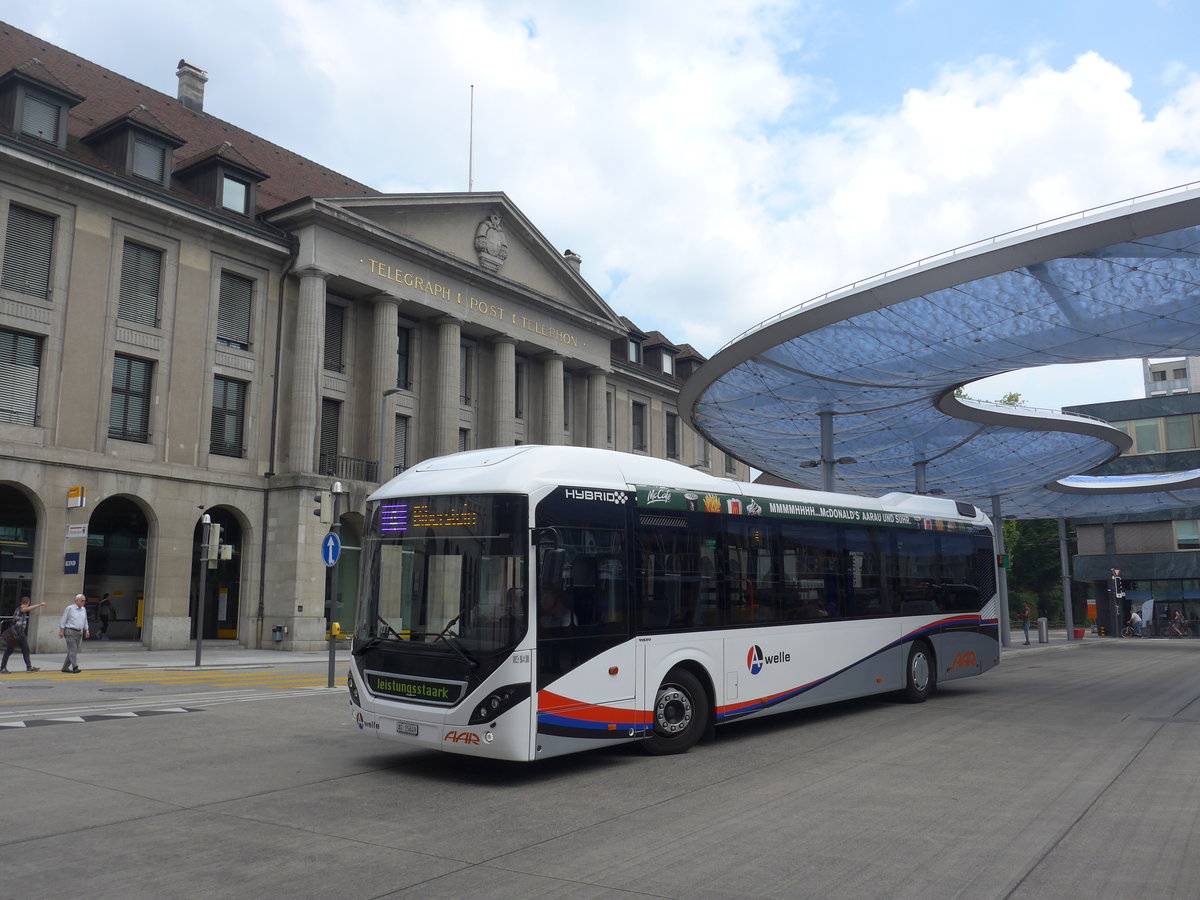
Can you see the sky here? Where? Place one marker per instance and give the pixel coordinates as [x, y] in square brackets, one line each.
[714, 162]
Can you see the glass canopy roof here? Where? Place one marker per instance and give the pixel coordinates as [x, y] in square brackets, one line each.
[882, 359]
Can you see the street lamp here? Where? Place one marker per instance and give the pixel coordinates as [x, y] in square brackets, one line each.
[383, 429]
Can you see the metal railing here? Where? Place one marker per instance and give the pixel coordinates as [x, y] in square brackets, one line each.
[349, 467]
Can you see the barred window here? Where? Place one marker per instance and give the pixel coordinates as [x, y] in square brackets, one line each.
[129, 411]
[228, 417]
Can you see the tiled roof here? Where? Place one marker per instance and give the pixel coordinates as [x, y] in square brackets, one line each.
[108, 96]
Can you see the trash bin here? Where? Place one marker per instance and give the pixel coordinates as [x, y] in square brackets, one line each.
[1043, 630]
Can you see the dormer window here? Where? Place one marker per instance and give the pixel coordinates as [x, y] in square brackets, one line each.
[224, 178]
[137, 144]
[34, 103]
[668, 363]
[635, 350]
[235, 194]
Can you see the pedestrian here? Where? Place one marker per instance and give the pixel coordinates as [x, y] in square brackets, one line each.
[103, 612]
[20, 625]
[1025, 615]
[73, 628]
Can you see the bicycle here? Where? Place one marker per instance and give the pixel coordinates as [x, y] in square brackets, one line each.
[1128, 632]
[1176, 629]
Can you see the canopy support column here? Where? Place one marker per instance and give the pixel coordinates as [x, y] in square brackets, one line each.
[827, 451]
[1001, 574]
[920, 467]
[1065, 562]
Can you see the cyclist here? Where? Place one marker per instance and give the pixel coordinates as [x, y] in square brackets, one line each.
[1136, 621]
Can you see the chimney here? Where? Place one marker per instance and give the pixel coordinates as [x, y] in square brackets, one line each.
[191, 85]
[573, 259]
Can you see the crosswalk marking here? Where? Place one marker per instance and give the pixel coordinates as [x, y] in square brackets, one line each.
[92, 717]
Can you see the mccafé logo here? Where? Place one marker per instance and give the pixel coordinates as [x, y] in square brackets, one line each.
[756, 660]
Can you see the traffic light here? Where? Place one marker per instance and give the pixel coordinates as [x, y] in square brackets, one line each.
[324, 506]
[213, 551]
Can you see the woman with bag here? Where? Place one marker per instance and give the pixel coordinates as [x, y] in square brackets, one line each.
[20, 627]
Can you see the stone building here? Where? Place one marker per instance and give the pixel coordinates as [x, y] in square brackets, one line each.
[195, 321]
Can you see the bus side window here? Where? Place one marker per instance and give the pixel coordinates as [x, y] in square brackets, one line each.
[583, 590]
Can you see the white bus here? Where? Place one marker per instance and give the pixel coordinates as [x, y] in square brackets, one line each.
[526, 602]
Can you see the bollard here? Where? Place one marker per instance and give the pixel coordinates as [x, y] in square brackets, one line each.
[1043, 630]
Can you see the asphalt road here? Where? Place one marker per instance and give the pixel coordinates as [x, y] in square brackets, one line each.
[1070, 771]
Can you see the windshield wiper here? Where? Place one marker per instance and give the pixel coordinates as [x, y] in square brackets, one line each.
[451, 640]
[379, 638]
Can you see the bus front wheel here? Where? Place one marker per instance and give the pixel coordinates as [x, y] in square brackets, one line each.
[681, 712]
[920, 678]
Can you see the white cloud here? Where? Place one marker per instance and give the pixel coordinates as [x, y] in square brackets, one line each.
[683, 149]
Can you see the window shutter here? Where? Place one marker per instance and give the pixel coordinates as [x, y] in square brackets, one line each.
[400, 448]
[331, 413]
[334, 318]
[39, 119]
[28, 242]
[141, 276]
[129, 410]
[20, 369]
[149, 160]
[228, 417]
[233, 313]
[403, 350]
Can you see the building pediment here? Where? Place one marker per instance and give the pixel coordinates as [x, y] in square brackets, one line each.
[484, 231]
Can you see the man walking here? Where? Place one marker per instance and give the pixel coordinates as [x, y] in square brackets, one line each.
[73, 628]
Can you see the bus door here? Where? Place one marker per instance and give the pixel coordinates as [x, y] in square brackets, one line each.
[584, 655]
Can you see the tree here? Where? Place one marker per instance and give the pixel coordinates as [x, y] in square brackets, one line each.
[1036, 573]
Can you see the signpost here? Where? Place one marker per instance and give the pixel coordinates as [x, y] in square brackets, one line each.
[331, 549]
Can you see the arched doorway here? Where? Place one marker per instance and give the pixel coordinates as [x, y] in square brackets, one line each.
[116, 566]
[222, 579]
[18, 528]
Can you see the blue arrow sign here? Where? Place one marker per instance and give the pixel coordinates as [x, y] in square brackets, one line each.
[331, 548]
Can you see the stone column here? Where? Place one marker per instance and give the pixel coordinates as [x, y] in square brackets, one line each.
[597, 407]
[446, 387]
[383, 378]
[504, 386]
[552, 414]
[306, 370]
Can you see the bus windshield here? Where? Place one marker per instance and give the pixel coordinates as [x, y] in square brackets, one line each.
[448, 572]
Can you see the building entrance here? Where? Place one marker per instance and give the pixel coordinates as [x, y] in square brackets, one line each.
[116, 567]
[222, 581]
[18, 527]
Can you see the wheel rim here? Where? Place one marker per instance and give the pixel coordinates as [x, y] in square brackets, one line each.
[920, 671]
[672, 711]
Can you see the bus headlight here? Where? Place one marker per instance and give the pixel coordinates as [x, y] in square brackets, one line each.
[498, 702]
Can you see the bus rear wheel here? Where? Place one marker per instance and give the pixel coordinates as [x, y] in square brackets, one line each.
[681, 712]
[920, 679]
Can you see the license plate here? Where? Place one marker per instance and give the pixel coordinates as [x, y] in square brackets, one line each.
[407, 728]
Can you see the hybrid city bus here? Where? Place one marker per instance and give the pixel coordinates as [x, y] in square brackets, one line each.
[526, 602]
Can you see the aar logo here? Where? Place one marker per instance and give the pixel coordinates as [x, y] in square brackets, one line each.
[756, 660]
